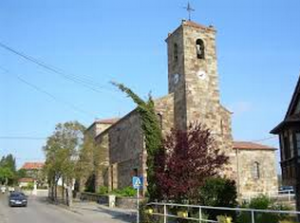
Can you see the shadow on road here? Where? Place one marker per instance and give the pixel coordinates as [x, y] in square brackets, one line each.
[127, 216]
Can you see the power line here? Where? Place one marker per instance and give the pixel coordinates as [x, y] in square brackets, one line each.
[48, 94]
[264, 139]
[82, 80]
[22, 138]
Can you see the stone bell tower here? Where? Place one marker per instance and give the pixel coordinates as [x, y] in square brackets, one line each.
[193, 79]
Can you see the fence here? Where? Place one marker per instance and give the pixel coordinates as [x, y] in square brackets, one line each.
[284, 195]
[171, 213]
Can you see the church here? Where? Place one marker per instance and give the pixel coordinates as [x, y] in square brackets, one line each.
[193, 95]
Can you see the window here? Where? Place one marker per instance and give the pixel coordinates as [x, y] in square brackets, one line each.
[292, 149]
[160, 120]
[221, 126]
[200, 49]
[287, 152]
[282, 147]
[175, 52]
[298, 143]
[256, 170]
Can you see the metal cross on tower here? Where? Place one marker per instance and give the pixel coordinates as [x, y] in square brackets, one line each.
[189, 9]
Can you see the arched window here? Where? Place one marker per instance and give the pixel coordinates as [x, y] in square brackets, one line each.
[160, 120]
[175, 52]
[221, 126]
[256, 170]
[200, 49]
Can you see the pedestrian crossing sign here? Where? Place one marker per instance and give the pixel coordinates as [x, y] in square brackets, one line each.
[137, 182]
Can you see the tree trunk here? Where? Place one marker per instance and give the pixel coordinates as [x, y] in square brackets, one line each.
[51, 190]
[55, 191]
[63, 191]
[70, 197]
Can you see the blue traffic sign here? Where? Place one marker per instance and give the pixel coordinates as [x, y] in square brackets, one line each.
[137, 182]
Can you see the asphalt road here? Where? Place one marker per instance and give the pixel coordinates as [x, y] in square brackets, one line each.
[40, 211]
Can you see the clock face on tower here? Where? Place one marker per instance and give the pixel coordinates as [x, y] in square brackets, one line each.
[201, 74]
[175, 78]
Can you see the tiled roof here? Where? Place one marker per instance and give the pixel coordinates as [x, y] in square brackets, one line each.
[26, 180]
[108, 121]
[33, 166]
[251, 145]
[196, 25]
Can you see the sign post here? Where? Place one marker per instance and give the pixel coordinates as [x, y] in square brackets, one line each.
[137, 183]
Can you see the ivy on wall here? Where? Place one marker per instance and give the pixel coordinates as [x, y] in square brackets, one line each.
[152, 134]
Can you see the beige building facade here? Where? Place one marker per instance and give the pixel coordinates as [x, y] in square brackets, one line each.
[194, 96]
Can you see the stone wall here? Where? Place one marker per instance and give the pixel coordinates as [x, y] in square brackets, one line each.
[164, 107]
[101, 160]
[248, 183]
[126, 142]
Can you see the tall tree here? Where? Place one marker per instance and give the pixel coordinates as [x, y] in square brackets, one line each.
[62, 150]
[8, 161]
[86, 165]
[186, 160]
[6, 175]
[8, 169]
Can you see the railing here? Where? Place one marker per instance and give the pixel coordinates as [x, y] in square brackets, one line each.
[203, 214]
[284, 195]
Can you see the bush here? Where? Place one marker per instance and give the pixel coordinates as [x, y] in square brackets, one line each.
[102, 190]
[125, 192]
[146, 216]
[29, 186]
[224, 219]
[263, 202]
[218, 192]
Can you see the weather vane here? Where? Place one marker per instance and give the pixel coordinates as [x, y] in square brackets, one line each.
[189, 9]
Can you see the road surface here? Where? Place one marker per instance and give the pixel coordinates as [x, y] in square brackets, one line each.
[40, 211]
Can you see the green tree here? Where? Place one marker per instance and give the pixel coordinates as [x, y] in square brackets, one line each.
[8, 161]
[6, 175]
[62, 150]
[8, 169]
[86, 165]
[21, 173]
[152, 134]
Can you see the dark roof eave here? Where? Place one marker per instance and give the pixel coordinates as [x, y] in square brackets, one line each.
[282, 125]
[277, 129]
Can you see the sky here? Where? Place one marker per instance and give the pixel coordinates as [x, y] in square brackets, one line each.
[99, 41]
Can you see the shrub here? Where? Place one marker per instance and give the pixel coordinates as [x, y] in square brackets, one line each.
[124, 192]
[102, 190]
[224, 219]
[146, 217]
[263, 202]
[29, 186]
[218, 192]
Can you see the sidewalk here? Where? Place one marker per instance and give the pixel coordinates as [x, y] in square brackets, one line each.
[94, 212]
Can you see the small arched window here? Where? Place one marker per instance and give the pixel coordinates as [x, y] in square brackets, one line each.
[256, 170]
[175, 52]
[160, 120]
[200, 49]
[221, 127]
